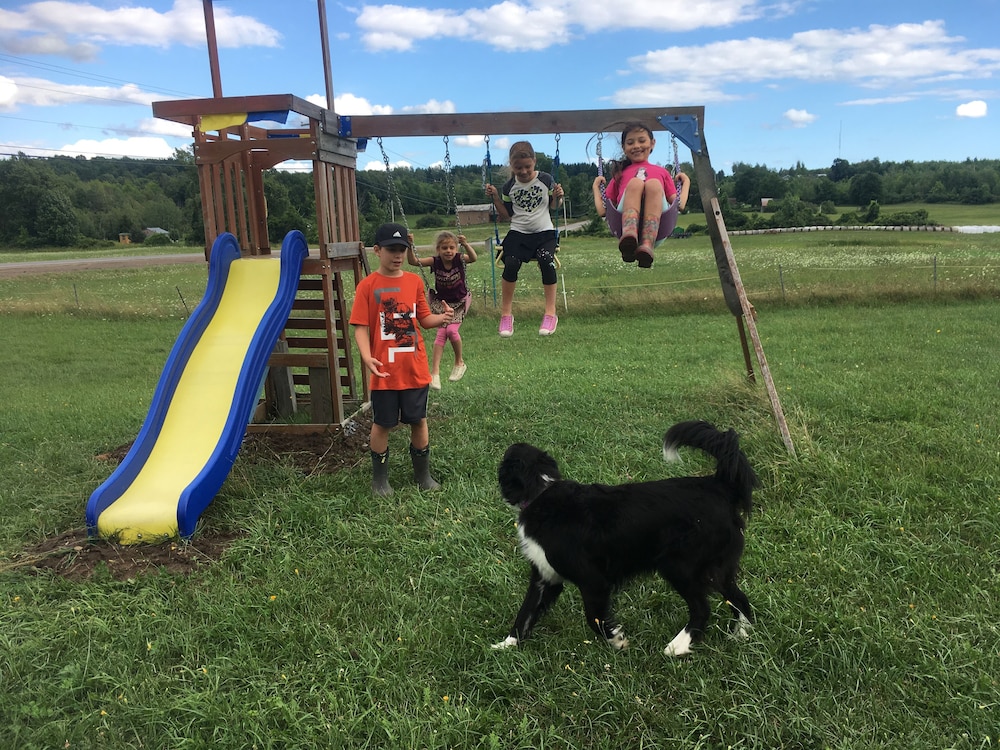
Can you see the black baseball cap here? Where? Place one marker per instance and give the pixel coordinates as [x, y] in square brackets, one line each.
[392, 234]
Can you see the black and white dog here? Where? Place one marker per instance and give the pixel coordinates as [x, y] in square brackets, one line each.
[687, 529]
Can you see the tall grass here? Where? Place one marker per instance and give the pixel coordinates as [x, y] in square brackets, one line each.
[339, 620]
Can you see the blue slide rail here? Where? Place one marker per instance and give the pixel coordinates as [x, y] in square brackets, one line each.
[202, 490]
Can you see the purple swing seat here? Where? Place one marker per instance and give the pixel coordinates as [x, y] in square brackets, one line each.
[668, 219]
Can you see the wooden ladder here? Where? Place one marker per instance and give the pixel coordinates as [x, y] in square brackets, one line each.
[311, 370]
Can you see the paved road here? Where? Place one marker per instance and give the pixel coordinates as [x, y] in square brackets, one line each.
[26, 268]
[12, 270]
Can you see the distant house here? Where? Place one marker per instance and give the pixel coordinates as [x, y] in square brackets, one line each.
[154, 230]
[765, 201]
[474, 214]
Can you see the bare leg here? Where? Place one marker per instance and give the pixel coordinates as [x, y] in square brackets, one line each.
[436, 359]
[507, 289]
[378, 440]
[550, 298]
[419, 435]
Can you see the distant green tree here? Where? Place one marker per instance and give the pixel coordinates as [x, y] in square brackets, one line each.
[794, 212]
[56, 220]
[840, 170]
[750, 184]
[938, 193]
[865, 187]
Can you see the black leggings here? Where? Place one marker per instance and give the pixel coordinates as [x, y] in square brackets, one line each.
[519, 248]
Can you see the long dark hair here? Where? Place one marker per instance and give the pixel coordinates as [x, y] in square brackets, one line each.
[617, 165]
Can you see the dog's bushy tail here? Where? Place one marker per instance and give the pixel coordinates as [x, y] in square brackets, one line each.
[731, 465]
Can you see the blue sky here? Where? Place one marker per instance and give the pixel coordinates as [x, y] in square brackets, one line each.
[782, 81]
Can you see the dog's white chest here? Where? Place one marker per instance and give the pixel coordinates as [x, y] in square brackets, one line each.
[533, 551]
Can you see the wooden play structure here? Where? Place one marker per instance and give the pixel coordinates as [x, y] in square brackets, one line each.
[236, 139]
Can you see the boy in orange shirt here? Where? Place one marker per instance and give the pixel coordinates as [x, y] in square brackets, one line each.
[388, 304]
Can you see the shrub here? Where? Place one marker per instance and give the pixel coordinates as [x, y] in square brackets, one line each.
[158, 240]
[429, 221]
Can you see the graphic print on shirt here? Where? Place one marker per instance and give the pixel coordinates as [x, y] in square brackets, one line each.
[397, 323]
[530, 198]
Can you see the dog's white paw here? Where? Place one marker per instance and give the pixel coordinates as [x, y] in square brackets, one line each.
[508, 642]
[742, 630]
[618, 641]
[680, 645]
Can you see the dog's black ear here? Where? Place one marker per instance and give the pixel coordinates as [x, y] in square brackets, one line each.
[525, 472]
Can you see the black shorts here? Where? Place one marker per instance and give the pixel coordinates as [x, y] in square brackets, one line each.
[389, 408]
[520, 248]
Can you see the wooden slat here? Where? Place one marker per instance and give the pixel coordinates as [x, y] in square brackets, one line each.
[295, 324]
[343, 249]
[305, 342]
[299, 359]
[308, 304]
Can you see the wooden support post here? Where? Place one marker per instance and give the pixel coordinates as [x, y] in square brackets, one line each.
[280, 388]
[748, 318]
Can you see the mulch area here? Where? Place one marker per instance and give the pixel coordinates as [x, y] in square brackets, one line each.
[76, 556]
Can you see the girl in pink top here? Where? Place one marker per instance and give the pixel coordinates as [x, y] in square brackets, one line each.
[642, 192]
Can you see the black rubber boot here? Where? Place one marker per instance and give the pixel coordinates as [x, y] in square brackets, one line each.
[422, 470]
[380, 474]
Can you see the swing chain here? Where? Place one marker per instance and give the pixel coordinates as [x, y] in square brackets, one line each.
[677, 163]
[393, 194]
[555, 177]
[600, 164]
[449, 183]
[487, 179]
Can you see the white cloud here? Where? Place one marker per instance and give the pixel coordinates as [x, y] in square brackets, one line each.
[350, 104]
[138, 148]
[60, 26]
[975, 108]
[41, 92]
[879, 100]
[8, 93]
[378, 166]
[168, 128]
[540, 24]
[873, 57]
[50, 44]
[799, 118]
[430, 107]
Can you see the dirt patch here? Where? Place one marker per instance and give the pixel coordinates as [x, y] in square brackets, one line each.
[313, 454]
[76, 556]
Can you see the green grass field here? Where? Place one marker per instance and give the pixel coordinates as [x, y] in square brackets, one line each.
[338, 620]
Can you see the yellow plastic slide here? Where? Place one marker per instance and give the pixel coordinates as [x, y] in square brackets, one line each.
[203, 402]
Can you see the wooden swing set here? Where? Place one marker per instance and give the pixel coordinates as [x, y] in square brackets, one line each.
[236, 139]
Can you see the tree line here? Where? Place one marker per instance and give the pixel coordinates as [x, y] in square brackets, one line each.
[75, 201]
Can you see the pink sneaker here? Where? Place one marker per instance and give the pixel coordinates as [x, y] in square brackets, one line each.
[506, 326]
[549, 323]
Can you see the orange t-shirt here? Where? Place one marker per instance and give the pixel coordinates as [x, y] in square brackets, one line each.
[391, 308]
